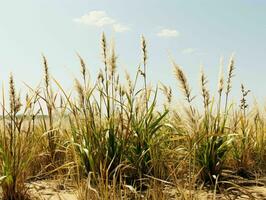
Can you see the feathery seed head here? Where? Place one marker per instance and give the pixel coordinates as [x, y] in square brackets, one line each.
[113, 60]
[144, 50]
[221, 78]
[205, 92]
[46, 72]
[167, 91]
[180, 76]
[12, 93]
[83, 66]
[104, 50]
[230, 75]
[129, 82]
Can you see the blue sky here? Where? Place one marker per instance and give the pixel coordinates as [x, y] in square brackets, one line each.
[194, 33]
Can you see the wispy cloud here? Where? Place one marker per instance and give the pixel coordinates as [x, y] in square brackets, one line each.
[168, 33]
[189, 51]
[120, 28]
[95, 18]
[99, 18]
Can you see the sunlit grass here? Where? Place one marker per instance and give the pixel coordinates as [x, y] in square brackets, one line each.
[113, 141]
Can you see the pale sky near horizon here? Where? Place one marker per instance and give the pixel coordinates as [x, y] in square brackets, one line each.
[192, 32]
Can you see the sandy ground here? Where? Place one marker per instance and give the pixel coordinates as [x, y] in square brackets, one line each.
[52, 190]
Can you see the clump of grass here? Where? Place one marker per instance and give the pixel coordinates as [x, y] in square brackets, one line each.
[215, 142]
[192, 133]
[110, 126]
[49, 99]
[16, 145]
[209, 141]
[243, 145]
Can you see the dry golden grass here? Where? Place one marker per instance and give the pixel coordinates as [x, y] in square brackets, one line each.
[110, 140]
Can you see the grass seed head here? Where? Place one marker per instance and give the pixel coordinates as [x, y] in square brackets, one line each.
[46, 72]
[12, 93]
[221, 78]
[144, 50]
[205, 92]
[104, 50]
[113, 59]
[231, 68]
[83, 67]
[180, 76]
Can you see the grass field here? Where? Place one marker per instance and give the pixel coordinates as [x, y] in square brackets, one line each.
[109, 139]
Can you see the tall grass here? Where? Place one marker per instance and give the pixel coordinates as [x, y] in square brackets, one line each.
[17, 143]
[111, 138]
